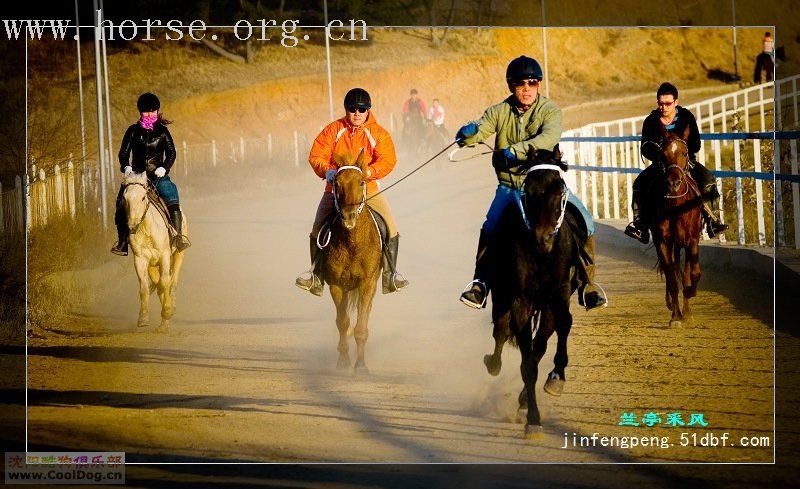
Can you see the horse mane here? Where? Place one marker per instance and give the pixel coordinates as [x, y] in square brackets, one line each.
[140, 178]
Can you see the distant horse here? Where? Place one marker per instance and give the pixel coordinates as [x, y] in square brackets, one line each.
[157, 263]
[677, 226]
[536, 253]
[352, 258]
[414, 136]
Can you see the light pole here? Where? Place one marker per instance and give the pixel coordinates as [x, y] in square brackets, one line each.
[735, 62]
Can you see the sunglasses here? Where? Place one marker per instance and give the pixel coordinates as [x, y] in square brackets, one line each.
[360, 110]
[665, 104]
[526, 83]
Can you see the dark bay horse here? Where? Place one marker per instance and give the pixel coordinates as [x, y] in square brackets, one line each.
[677, 226]
[352, 258]
[534, 277]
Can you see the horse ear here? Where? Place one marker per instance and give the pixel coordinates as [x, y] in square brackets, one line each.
[687, 131]
[361, 160]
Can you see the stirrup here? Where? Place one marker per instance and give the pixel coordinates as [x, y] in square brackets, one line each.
[720, 228]
[393, 281]
[183, 239]
[312, 284]
[468, 288]
[117, 250]
[635, 232]
[602, 297]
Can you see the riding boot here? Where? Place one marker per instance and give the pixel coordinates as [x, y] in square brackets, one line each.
[392, 280]
[714, 225]
[120, 219]
[637, 229]
[588, 296]
[180, 241]
[477, 291]
[313, 282]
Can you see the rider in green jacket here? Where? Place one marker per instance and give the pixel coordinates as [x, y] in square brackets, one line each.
[524, 123]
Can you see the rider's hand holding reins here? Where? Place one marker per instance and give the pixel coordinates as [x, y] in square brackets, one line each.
[330, 176]
[466, 131]
[128, 171]
[160, 172]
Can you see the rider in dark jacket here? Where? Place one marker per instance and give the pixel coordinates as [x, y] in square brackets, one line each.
[148, 147]
[674, 119]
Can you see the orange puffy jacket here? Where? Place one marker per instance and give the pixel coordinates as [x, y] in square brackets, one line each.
[342, 139]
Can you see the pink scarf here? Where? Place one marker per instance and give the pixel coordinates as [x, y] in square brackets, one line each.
[147, 121]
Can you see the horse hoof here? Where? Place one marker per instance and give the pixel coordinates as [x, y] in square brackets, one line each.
[361, 370]
[522, 415]
[162, 329]
[143, 324]
[533, 431]
[554, 384]
[675, 323]
[491, 366]
[343, 364]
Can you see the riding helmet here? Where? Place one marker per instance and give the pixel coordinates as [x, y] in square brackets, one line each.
[357, 97]
[523, 68]
[148, 102]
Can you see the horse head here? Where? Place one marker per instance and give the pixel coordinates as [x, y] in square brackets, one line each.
[135, 197]
[675, 158]
[545, 197]
[350, 188]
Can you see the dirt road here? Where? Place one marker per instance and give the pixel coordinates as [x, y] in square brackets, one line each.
[248, 369]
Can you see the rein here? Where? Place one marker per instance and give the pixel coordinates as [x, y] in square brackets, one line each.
[683, 181]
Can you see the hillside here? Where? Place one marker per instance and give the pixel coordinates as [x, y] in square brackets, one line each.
[285, 89]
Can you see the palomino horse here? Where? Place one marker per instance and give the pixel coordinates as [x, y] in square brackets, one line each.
[157, 263]
[536, 250]
[677, 226]
[352, 258]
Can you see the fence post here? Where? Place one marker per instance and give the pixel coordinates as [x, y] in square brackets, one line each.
[213, 153]
[762, 232]
[22, 220]
[778, 194]
[71, 189]
[59, 191]
[269, 147]
[43, 210]
[185, 159]
[296, 151]
[737, 161]
[718, 167]
[795, 194]
[241, 148]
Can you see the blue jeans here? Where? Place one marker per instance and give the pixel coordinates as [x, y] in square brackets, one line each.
[167, 190]
[505, 195]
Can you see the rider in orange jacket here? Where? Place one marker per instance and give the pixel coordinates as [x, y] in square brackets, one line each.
[357, 130]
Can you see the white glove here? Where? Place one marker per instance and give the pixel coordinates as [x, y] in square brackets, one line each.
[128, 171]
[330, 176]
[160, 171]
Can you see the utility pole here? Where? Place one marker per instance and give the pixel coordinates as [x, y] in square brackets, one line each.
[101, 149]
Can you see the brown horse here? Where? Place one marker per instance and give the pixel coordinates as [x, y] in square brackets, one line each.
[677, 226]
[352, 258]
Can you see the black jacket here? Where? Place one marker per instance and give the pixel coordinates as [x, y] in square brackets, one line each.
[651, 133]
[150, 149]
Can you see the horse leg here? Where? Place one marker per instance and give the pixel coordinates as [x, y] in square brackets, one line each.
[563, 323]
[366, 292]
[692, 277]
[667, 259]
[177, 263]
[154, 278]
[141, 266]
[500, 333]
[165, 292]
[342, 324]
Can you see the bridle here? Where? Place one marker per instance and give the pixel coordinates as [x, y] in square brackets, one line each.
[146, 208]
[683, 173]
[564, 196]
[363, 189]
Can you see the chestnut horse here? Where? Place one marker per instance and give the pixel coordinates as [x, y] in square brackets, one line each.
[677, 226]
[352, 258]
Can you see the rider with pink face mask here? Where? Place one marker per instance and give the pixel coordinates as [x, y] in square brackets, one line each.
[148, 147]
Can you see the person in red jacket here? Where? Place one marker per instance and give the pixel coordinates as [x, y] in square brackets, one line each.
[347, 136]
